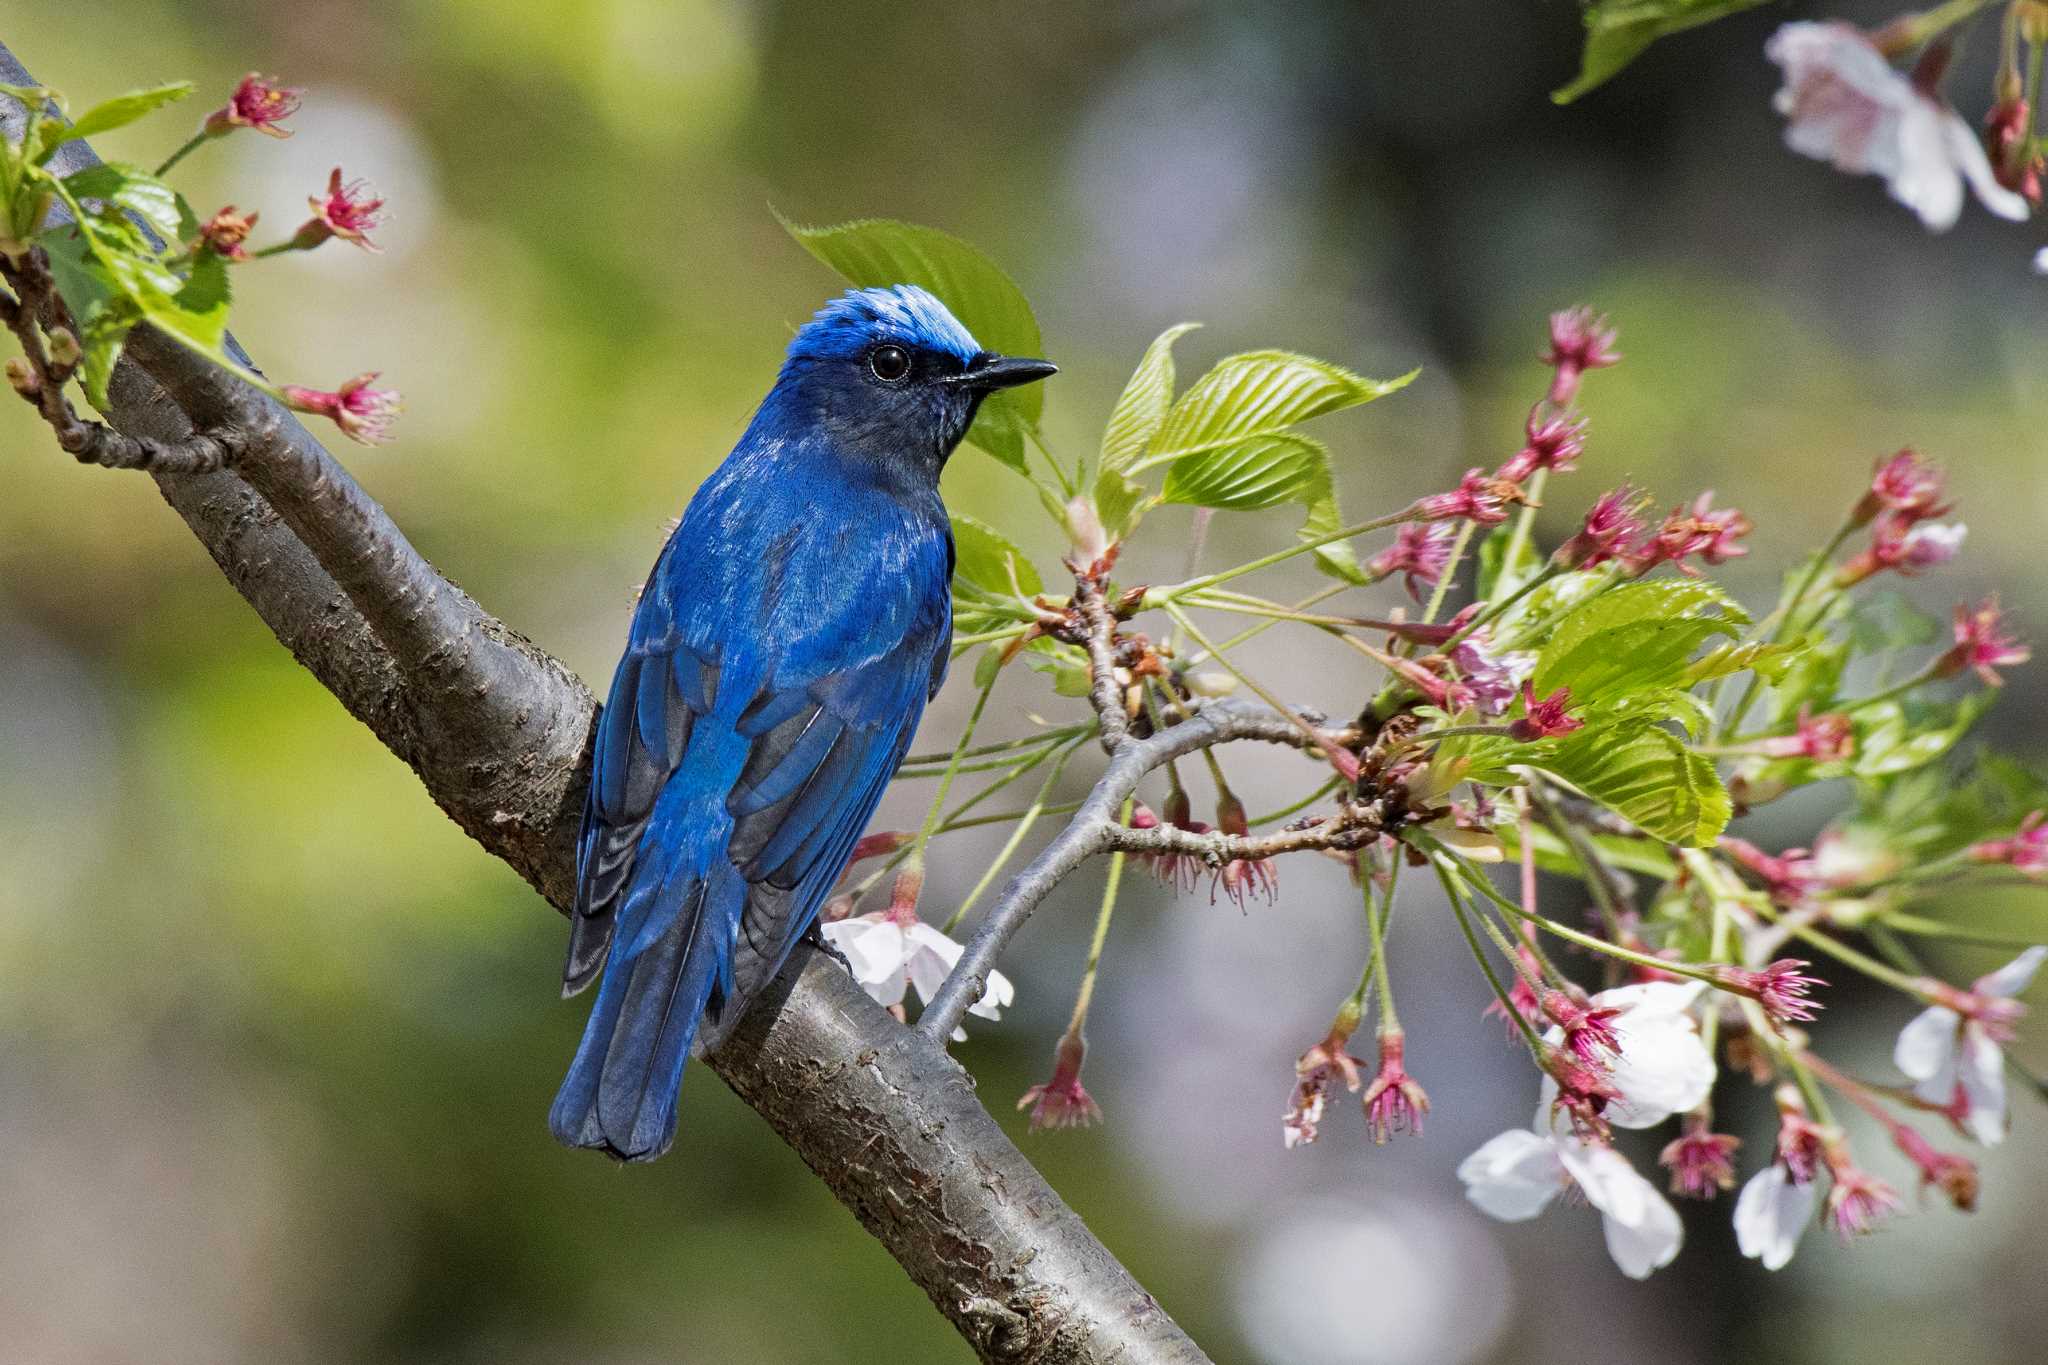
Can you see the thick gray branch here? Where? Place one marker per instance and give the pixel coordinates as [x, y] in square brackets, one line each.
[498, 731]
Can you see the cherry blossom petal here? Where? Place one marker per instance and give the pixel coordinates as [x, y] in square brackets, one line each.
[875, 950]
[1966, 151]
[1926, 1052]
[1643, 1231]
[2014, 976]
[1982, 1075]
[1514, 1176]
[1770, 1214]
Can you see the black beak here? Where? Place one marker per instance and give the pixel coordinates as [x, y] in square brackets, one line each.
[989, 371]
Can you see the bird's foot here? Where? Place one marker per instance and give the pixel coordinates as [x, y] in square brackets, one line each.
[815, 936]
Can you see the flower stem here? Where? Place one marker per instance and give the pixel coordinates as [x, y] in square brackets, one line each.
[1378, 910]
[1456, 897]
[1160, 596]
[1443, 580]
[174, 158]
[1029, 818]
[1084, 996]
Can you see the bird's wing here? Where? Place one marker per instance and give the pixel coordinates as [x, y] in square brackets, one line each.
[802, 767]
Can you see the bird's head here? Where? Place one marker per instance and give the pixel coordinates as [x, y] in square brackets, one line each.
[891, 375]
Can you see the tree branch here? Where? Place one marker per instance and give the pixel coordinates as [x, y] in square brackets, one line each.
[498, 730]
[1091, 831]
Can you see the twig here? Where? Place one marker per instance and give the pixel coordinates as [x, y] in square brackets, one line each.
[1092, 830]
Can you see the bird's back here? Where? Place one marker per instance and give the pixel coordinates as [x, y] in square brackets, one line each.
[779, 659]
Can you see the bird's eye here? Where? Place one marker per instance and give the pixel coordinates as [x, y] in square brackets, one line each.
[891, 364]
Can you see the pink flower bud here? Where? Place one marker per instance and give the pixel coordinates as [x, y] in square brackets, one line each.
[1858, 1201]
[1829, 738]
[2026, 851]
[1904, 484]
[1610, 524]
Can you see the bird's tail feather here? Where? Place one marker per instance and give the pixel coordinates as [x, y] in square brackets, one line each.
[620, 1093]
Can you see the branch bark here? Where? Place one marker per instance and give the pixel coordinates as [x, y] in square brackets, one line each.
[498, 731]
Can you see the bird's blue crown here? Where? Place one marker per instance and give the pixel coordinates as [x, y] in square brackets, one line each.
[902, 313]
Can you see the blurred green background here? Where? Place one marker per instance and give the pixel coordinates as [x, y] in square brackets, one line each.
[276, 1041]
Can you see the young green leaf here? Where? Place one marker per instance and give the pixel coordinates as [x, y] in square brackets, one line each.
[131, 188]
[880, 251]
[1120, 502]
[1893, 738]
[118, 112]
[1259, 393]
[989, 560]
[1262, 471]
[1652, 779]
[1142, 408]
[1617, 32]
[1333, 557]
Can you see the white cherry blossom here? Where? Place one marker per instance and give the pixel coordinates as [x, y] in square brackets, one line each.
[1516, 1175]
[1845, 103]
[1660, 1066]
[887, 955]
[1948, 1055]
[1770, 1214]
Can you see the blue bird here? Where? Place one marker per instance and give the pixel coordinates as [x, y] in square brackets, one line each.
[786, 643]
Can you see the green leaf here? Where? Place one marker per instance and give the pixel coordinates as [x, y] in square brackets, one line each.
[1260, 393]
[134, 189]
[102, 335]
[1120, 502]
[1335, 557]
[1065, 664]
[874, 252]
[1617, 31]
[998, 432]
[989, 560]
[1263, 471]
[1894, 738]
[1635, 638]
[117, 112]
[1141, 410]
[198, 313]
[1652, 779]
[1769, 661]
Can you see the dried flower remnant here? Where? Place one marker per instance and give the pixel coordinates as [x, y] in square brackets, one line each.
[1579, 341]
[364, 414]
[1420, 553]
[257, 102]
[1063, 1102]
[1983, 644]
[1394, 1101]
[346, 211]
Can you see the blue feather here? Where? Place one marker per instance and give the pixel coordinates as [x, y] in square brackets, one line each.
[788, 639]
